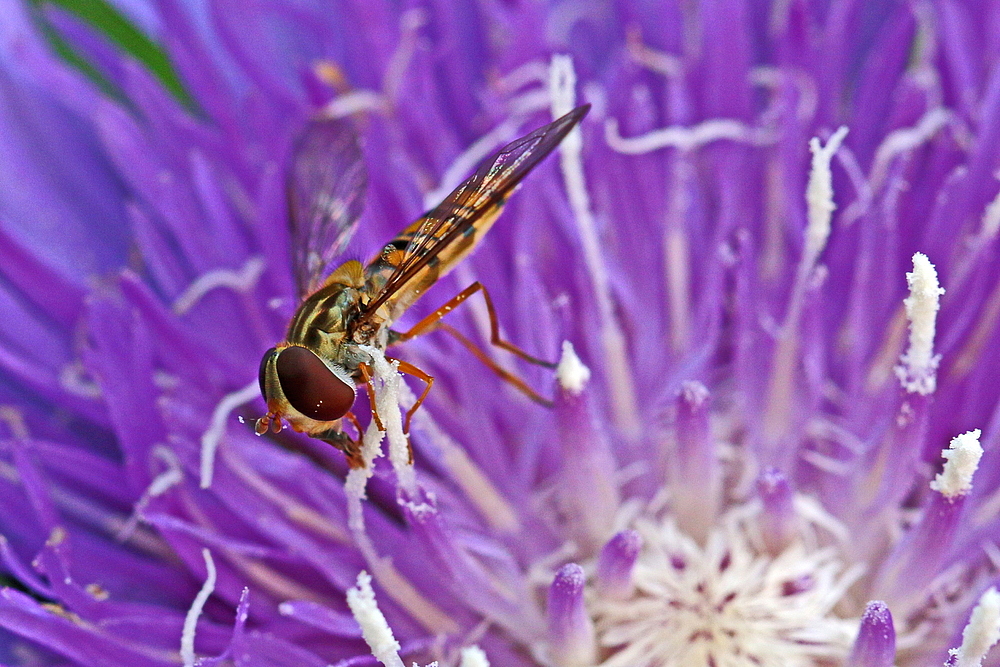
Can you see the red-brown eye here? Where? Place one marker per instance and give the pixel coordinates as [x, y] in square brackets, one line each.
[311, 387]
[262, 373]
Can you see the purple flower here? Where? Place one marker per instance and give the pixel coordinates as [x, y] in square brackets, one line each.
[768, 264]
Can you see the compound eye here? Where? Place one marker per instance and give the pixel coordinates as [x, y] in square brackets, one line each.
[262, 373]
[311, 387]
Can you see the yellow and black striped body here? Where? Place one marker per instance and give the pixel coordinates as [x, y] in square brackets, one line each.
[386, 262]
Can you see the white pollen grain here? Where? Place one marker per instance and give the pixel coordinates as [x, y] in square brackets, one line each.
[819, 193]
[981, 633]
[990, 223]
[374, 628]
[918, 367]
[473, 656]
[191, 618]
[571, 373]
[961, 461]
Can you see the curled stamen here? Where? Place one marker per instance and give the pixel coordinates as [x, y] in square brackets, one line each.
[241, 280]
[906, 139]
[217, 427]
[191, 618]
[686, 138]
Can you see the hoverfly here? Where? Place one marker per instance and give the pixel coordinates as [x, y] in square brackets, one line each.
[309, 379]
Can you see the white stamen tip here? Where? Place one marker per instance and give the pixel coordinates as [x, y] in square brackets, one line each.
[374, 628]
[473, 656]
[819, 193]
[961, 460]
[981, 633]
[191, 618]
[991, 218]
[917, 372]
[571, 373]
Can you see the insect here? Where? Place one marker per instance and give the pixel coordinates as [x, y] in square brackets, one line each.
[310, 379]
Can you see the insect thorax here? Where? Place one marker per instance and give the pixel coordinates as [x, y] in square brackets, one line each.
[325, 323]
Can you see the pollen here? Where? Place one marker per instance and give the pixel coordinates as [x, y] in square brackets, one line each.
[961, 460]
[725, 603]
[919, 364]
[571, 373]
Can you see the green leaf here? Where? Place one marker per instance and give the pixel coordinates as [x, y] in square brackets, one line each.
[120, 31]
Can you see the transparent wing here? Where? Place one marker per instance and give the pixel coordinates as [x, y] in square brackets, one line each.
[326, 194]
[443, 235]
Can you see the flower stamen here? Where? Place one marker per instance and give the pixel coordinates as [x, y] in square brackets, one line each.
[191, 618]
[917, 372]
[374, 628]
[980, 634]
[240, 280]
[917, 557]
[562, 88]
[570, 629]
[212, 436]
[686, 138]
[473, 656]
[819, 197]
[571, 373]
[876, 642]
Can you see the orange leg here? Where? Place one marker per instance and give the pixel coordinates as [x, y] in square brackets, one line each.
[410, 369]
[492, 365]
[354, 422]
[433, 321]
[366, 373]
[336, 436]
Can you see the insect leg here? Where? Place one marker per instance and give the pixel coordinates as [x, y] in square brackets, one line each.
[355, 423]
[433, 321]
[410, 369]
[345, 443]
[517, 382]
[366, 373]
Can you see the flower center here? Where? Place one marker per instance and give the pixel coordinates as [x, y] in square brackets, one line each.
[724, 603]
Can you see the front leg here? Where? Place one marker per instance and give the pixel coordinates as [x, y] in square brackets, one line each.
[336, 436]
[366, 373]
